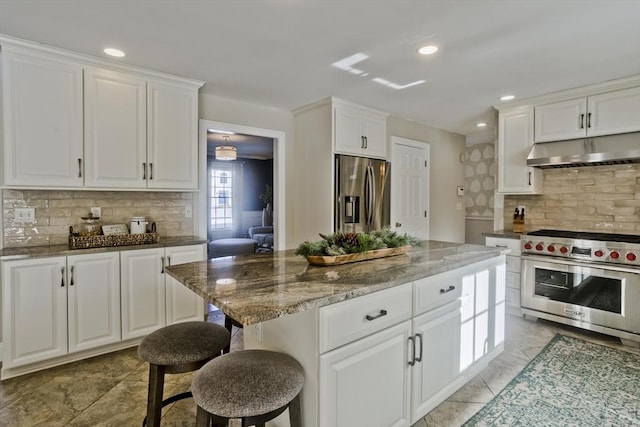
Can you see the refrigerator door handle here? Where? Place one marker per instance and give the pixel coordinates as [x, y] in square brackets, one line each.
[374, 196]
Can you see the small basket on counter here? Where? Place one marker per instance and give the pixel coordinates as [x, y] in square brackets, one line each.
[79, 241]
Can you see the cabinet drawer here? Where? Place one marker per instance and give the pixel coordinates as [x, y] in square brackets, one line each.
[513, 264]
[435, 291]
[504, 242]
[350, 320]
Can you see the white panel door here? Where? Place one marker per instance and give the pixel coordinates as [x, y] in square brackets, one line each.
[561, 120]
[115, 129]
[172, 141]
[182, 303]
[437, 335]
[614, 112]
[350, 395]
[93, 300]
[42, 121]
[35, 310]
[410, 187]
[142, 292]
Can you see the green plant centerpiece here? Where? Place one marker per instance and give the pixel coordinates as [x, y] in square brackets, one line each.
[340, 243]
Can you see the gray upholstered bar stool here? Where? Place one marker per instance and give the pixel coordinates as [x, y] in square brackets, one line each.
[254, 385]
[175, 349]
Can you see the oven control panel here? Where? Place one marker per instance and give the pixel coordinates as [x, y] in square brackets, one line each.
[585, 250]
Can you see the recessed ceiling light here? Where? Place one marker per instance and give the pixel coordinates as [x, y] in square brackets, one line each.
[481, 125]
[114, 52]
[428, 50]
[507, 98]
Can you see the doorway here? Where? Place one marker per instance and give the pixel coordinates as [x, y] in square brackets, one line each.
[201, 214]
[410, 187]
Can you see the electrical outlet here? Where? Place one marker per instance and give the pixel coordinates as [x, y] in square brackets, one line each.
[96, 211]
[24, 215]
[188, 211]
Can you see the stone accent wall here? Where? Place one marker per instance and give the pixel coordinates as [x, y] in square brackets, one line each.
[57, 210]
[589, 198]
[479, 178]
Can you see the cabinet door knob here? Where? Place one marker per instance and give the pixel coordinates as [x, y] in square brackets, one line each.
[144, 171]
[71, 276]
[370, 318]
[79, 168]
[589, 120]
[162, 264]
[581, 121]
[150, 170]
[62, 277]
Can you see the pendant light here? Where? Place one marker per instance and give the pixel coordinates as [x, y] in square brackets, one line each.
[226, 152]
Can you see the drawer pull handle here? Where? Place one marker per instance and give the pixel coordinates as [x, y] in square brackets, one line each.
[370, 318]
[449, 289]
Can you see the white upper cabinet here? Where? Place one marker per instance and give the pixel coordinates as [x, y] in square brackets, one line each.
[116, 127]
[172, 126]
[359, 131]
[42, 120]
[115, 118]
[602, 114]
[515, 139]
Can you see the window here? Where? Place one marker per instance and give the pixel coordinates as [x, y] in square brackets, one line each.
[221, 194]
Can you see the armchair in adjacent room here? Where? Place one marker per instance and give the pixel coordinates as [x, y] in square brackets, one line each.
[263, 236]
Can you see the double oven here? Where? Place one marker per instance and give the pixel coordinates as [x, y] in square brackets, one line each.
[588, 280]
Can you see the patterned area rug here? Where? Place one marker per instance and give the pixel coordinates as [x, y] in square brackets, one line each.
[570, 383]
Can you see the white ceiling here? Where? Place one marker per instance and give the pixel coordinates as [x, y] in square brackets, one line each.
[279, 53]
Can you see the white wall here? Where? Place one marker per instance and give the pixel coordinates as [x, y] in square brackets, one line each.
[447, 221]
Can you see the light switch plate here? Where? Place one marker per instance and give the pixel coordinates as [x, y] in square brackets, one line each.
[96, 211]
[24, 215]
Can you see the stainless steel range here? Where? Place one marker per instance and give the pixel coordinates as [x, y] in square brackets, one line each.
[588, 280]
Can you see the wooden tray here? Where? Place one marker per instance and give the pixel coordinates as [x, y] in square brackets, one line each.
[325, 261]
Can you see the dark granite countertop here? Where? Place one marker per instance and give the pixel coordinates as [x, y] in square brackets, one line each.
[253, 289]
[63, 250]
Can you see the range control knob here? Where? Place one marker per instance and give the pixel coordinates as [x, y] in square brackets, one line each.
[631, 256]
[564, 249]
[528, 245]
[551, 248]
[539, 247]
[599, 253]
[614, 254]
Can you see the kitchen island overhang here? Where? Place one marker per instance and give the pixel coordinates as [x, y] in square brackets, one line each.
[253, 289]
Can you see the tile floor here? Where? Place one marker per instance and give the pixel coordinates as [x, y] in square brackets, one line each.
[110, 390]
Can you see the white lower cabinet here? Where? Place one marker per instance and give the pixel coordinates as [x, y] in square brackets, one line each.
[513, 267]
[366, 383]
[57, 306]
[143, 292]
[93, 303]
[60, 309]
[438, 342]
[150, 298]
[182, 304]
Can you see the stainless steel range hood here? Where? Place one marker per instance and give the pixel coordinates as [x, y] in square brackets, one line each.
[601, 150]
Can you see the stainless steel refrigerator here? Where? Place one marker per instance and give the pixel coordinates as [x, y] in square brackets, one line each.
[362, 194]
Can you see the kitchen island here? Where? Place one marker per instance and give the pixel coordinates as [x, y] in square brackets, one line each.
[382, 342]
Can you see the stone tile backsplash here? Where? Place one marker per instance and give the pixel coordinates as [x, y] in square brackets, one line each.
[57, 210]
[590, 198]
